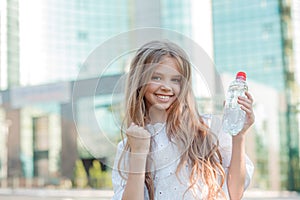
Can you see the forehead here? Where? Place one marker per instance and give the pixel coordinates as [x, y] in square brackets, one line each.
[168, 65]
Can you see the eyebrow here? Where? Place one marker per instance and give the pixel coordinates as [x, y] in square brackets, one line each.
[158, 73]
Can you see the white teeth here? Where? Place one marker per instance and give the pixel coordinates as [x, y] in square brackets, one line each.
[163, 97]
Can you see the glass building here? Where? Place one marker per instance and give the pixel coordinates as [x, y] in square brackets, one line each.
[249, 37]
[255, 36]
[182, 11]
[44, 46]
[63, 34]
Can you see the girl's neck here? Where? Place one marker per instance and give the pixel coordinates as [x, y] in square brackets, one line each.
[157, 116]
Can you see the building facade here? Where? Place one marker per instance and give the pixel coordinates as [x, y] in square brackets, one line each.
[41, 65]
[44, 47]
[258, 38]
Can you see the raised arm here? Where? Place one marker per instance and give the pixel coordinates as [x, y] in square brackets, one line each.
[237, 168]
[139, 142]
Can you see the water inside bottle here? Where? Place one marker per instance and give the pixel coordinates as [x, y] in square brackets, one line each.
[233, 120]
[234, 116]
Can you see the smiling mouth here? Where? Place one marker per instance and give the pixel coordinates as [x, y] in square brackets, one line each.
[163, 97]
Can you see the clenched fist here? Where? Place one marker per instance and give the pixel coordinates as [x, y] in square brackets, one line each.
[138, 139]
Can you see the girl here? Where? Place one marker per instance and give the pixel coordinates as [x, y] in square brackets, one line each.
[169, 151]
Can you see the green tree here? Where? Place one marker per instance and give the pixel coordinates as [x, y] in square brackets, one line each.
[99, 178]
[80, 176]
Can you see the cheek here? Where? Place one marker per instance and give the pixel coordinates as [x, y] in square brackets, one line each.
[151, 87]
[177, 89]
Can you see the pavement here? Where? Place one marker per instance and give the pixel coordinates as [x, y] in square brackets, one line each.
[266, 195]
[90, 194]
[54, 194]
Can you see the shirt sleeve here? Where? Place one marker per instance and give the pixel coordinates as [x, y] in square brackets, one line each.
[117, 180]
[225, 142]
[225, 147]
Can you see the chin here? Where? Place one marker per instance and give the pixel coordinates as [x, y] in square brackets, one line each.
[161, 107]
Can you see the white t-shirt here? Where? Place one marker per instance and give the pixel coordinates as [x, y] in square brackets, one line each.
[165, 161]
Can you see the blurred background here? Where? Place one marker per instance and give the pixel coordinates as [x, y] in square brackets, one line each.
[44, 45]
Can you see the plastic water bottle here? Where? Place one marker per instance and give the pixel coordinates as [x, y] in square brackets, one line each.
[234, 116]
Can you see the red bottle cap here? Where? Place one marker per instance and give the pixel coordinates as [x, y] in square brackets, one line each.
[241, 75]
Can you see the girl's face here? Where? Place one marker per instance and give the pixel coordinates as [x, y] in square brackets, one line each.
[164, 85]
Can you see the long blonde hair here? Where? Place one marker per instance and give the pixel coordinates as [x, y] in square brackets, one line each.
[184, 125]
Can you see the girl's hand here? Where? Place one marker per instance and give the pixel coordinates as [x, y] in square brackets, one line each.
[247, 105]
[138, 139]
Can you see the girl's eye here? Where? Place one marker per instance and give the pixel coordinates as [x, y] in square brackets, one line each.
[155, 78]
[176, 80]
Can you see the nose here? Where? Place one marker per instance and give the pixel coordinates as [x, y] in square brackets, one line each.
[165, 87]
